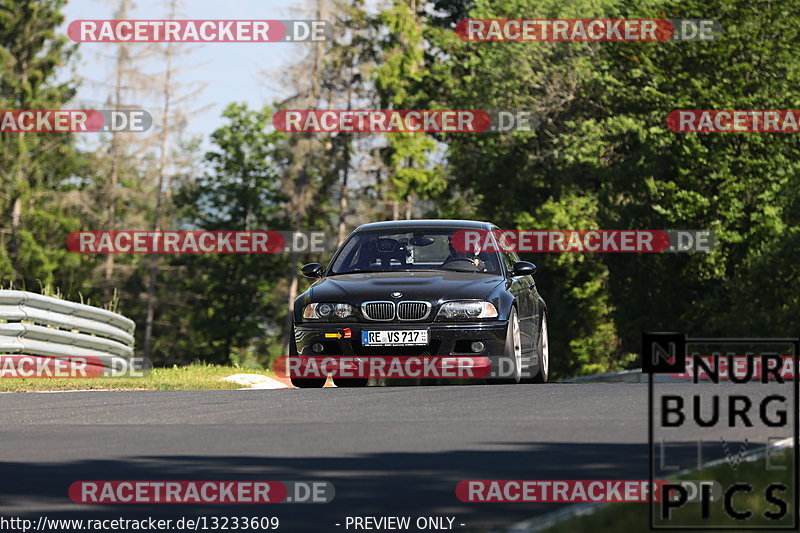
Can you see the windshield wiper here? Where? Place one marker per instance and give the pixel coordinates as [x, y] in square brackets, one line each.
[389, 271]
[356, 272]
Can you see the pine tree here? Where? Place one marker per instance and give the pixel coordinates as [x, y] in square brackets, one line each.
[34, 167]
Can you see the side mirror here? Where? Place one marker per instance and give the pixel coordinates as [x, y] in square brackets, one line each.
[312, 270]
[523, 268]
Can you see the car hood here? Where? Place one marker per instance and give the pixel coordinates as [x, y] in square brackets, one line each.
[426, 286]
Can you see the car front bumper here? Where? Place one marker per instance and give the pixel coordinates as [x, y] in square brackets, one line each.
[443, 339]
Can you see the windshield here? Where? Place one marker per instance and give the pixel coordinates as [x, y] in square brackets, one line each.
[421, 249]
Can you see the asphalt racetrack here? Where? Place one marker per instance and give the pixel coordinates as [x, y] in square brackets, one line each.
[389, 451]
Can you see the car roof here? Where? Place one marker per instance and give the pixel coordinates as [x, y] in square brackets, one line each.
[425, 223]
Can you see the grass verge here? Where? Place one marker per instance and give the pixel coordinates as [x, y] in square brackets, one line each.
[198, 376]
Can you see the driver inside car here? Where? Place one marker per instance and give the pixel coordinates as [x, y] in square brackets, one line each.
[383, 254]
[463, 255]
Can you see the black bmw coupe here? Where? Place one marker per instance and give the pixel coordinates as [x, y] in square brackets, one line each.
[406, 287]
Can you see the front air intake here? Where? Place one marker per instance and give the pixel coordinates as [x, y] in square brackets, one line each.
[413, 310]
[378, 310]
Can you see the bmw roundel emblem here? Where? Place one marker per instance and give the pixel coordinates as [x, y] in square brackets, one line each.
[397, 294]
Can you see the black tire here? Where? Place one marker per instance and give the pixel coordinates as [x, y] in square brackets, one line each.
[511, 358]
[303, 383]
[543, 350]
[350, 382]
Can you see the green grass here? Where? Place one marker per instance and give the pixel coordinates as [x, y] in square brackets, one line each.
[198, 376]
[634, 517]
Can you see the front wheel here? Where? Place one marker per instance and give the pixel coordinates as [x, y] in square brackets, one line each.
[508, 367]
[544, 353]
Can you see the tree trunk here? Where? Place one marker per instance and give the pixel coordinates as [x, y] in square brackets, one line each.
[108, 267]
[153, 274]
[343, 202]
[16, 224]
[345, 175]
[16, 210]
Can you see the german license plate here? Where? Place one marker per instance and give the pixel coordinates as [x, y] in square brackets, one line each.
[398, 337]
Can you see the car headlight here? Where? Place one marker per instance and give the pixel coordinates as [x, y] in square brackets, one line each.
[467, 310]
[317, 311]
